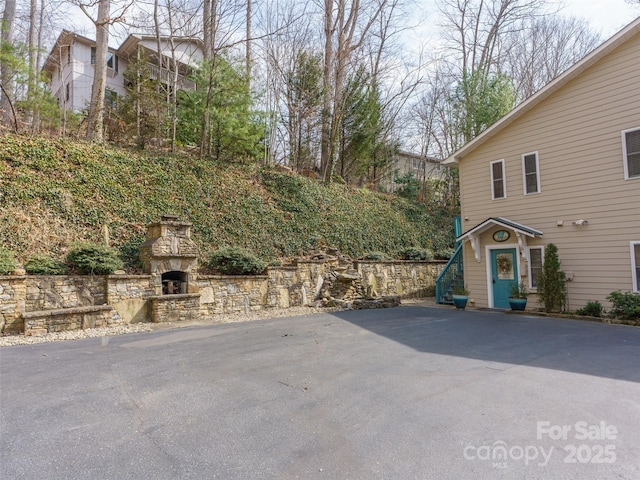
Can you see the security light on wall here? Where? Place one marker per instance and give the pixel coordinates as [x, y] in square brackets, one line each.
[581, 222]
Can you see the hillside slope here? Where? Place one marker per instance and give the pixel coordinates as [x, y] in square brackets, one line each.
[54, 192]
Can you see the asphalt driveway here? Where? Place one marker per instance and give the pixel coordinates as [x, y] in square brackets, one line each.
[405, 393]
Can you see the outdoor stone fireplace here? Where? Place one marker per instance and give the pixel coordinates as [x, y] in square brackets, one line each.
[170, 257]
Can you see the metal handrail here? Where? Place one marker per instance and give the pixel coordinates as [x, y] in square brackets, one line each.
[449, 274]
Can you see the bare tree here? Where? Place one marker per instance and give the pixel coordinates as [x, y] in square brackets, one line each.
[7, 111]
[507, 38]
[102, 21]
[248, 38]
[546, 48]
[349, 21]
[95, 120]
[292, 70]
[33, 66]
[476, 30]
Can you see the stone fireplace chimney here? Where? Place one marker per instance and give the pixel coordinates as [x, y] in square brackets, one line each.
[170, 254]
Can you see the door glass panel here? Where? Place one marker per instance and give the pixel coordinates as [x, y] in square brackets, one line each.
[504, 262]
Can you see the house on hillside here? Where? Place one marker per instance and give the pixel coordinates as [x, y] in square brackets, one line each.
[563, 168]
[70, 65]
[422, 167]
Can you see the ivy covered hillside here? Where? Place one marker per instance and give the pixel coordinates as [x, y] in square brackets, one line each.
[56, 193]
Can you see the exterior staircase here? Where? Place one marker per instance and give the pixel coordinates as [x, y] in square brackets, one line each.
[452, 274]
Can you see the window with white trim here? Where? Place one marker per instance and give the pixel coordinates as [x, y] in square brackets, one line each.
[498, 182]
[112, 60]
[635, 265]
[631, 153]
[530, 173]
[536, 255]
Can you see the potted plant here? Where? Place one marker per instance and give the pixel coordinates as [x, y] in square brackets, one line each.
[460, 297]
[518, 296]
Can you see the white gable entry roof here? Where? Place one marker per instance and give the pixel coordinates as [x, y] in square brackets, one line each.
[521, 231]
[500, 222]
[593, 57]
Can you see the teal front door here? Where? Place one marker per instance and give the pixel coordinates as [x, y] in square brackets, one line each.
[504, 272]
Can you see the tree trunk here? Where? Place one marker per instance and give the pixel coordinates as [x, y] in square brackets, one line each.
[248, 44]
[209, 45]
[156, 23]
[95, 120]
[327, 77]
[6, 74]
[173, 91]
[39, 50]
[207, 30]
[32, 74]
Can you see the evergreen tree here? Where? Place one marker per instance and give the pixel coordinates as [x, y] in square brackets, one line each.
[219, 116]
[480, 99]
[303, 99]
[144, 108]
[365, 147]
[551, 281]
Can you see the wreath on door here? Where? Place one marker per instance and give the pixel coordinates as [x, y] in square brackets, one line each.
[504, 264]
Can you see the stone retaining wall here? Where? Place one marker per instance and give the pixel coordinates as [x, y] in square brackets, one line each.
[129, 293]
[75, 318]
[231, 294]
[50, 292]
[13, 293]
[175, 308]
[135, 298]
[403, 278]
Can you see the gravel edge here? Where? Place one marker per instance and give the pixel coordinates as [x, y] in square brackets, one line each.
[21, 339]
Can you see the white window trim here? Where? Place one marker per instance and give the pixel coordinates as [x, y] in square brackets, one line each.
[524, 174]
[634, 279]
[541, 247]
[504, 180]
[624, 153]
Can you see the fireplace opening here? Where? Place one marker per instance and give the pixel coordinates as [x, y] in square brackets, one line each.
[174, 283]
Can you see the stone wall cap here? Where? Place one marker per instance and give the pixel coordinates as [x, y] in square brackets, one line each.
[66, 311]
[175, 296]
[389, 262]
[231, 277]
[173, 223]
[130, 276]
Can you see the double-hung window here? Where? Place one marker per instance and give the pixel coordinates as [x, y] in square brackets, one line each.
[536, 254]
[635, 265]
[498, 181]
[112, 60]
[530, 173]
[631, 152]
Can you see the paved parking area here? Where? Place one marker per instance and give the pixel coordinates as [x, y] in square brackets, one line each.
[406, 393]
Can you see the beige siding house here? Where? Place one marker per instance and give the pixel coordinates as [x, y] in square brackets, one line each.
[562, 168]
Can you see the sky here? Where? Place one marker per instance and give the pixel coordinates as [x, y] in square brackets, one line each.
[608, 16]
[605, 16]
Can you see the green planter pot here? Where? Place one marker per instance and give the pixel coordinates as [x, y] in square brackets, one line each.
[460, 301]
[518, 304]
